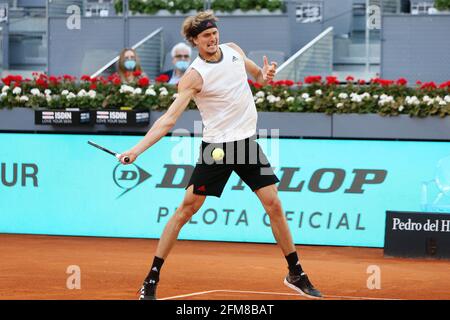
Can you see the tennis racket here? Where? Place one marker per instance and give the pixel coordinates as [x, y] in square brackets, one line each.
[115, 154]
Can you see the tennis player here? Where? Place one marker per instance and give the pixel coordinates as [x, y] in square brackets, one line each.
[217, 81]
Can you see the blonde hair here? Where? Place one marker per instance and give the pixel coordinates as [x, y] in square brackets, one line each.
[121, 64]
[192, 22]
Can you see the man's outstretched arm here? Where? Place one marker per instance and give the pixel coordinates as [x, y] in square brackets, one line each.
[188, 86]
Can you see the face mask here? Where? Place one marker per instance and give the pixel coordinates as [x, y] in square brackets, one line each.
[182, 65]
[130, 64]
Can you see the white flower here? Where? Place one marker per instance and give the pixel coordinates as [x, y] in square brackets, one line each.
[442, 103]
[163, 89]
[401, 108]
[82, 93]
[35, 92]
[412, 100]
[334, 98]
[365, 95]
[164, 93]
[356, 97]
[137, 91]
[290, 99]
[385, 99]
[150, 92]
[48, 98]
[447, 98]
[318, 92]
[260, 94]
[126, 89]
[65, 92]
[175, 95]
[339, 105]
[343, 95]
[305, 96]
[48, 92]
[71, 95]
[17, 90]
[171, 4]
[92, 94]
[375, 96]
[308, 99]
[259, 100]
[5, 88]
[271, 98]
[24, 98]
[3, 94]
[426, 98]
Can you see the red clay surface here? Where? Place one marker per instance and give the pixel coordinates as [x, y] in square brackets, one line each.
[34, 267]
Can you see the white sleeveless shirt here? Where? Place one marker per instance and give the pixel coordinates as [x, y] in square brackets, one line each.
[225, 101]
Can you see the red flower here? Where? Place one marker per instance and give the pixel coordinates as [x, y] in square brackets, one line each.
[250, 82]
[85, 77]
[444, 85]
[137, 73]
[313, 79]
[41, 83]
[418, 82]
[429, 85]
[53, 80]
[331, 80]
[162, 78]
[17, 78]
[257, 85]
[289, 83]
[361, 82]
[68, 77]
[93, 86]
[7, 80]
[382, 82]
[299, 83]
[116, 81]
[402, 82]
[143, 82]
[350, 79]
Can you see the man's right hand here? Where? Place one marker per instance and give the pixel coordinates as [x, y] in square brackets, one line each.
[130, 154]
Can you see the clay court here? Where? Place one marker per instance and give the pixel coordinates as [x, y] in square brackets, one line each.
[113, 268]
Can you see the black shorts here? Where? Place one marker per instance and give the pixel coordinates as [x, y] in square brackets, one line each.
[245, 157]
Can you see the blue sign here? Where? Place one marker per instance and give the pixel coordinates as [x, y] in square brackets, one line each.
[334, 192]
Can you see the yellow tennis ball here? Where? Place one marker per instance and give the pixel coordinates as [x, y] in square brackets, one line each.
[218, 154]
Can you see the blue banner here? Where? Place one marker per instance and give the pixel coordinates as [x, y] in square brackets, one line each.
[334, 192]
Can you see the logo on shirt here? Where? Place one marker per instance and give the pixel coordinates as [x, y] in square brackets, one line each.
[235, 59]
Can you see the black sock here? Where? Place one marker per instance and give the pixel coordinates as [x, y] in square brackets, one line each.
[293, 263]
[155, 269]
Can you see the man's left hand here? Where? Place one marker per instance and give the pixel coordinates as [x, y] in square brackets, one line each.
[268, 71]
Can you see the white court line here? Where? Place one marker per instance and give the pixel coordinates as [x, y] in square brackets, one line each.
[270, 293]
[189, 295]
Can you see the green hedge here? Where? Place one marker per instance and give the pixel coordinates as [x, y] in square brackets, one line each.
[383, 97]
[442, 4]
[153, 6]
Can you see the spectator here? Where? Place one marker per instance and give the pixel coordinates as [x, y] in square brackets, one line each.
[181, 58]
[129, 66]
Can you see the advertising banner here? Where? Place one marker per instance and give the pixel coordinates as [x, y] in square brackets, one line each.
[333, 192]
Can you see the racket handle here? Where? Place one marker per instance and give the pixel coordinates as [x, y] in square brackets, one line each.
[126, 159]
